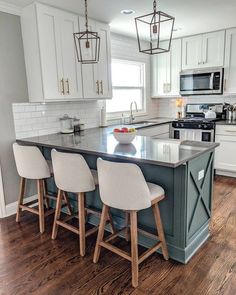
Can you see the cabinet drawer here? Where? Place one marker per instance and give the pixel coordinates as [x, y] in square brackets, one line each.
[155, 130]
[226, 130]
[225, 154]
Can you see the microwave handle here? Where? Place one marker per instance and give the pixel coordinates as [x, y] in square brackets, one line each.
[212, 81]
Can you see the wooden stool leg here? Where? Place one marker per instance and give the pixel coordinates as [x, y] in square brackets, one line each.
[134, 247]
[41, 208]
[57, 214]
[66, 199]
[45, 191]
[113, 229]
[20, 199]
[160, 230]
[127, 223]
[100, 233]
[81, 223]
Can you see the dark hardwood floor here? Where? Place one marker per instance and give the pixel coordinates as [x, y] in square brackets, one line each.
[31, 263]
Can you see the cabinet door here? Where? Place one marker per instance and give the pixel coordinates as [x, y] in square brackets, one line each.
[175, 65]
[163, 74]
[225, 154]
[230, 61]
[213, 45]
[50, 51]
[191, 55]
[71, 68]
[89, 71]
[104, 64]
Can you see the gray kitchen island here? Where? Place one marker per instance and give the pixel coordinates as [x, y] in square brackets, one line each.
[184, 169]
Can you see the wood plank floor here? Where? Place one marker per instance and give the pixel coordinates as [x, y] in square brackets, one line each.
[34, 264]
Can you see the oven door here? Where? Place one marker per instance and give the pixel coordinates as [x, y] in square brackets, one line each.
[193, 134]
[201, 82]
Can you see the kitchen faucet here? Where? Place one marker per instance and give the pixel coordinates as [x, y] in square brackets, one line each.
[132, 118]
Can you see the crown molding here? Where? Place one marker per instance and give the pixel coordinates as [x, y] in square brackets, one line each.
[10, 8]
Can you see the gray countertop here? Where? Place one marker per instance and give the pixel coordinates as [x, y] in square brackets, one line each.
[100, 141]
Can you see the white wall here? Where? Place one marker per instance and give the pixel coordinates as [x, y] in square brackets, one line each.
[13, 88]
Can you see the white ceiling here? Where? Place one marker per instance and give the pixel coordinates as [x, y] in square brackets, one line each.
[192, 16]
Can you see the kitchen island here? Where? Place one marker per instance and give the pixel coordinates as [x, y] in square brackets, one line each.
[185, 171]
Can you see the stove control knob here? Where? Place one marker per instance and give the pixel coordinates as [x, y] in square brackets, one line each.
[181, 125]
[200, 126]
[205, 126]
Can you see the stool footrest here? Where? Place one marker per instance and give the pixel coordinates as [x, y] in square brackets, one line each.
[149, 252]
[68, 226]
[148, 234]
[32, 210]
[91, 231]
[115, 235]
[116, 250]
[49, 212]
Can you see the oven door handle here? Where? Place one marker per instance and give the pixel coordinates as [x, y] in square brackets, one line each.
[212, 81]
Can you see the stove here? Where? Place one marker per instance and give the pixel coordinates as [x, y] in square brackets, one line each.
[195, 126]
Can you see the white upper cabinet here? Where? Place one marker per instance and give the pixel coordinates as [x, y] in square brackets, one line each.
[165, 71]
[230, 61]
[191, 54]
[202, 51]
[97, 77]
[53, 72]
[104, 64]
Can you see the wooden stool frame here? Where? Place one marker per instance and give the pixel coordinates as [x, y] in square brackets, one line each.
[42, 197]
[81, 216]
[131, 217]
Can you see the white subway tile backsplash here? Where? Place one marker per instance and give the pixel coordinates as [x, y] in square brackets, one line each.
[34, 119]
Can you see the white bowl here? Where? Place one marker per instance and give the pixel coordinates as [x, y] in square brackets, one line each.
[125, 138]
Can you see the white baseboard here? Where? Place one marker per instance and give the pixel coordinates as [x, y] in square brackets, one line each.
[12, 207]
[225, 173]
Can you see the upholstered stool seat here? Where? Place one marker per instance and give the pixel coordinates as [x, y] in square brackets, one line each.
[73, 175]
[31, 165]
[122, 186]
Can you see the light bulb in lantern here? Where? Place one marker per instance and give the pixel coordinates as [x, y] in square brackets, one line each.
[155, 32]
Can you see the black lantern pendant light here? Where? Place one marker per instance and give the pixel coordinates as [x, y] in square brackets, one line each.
[153, 28]
[87, 43]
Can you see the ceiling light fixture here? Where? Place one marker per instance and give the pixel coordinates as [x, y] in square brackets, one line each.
[87, 43]
[155, 27]
[127, 11]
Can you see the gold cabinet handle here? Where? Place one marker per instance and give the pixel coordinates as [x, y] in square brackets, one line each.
[98, 90]
[101, 83]
[68, 87]
[62, 87]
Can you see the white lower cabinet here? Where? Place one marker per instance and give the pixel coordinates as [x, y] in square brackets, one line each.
[159, 131]
[225, 155]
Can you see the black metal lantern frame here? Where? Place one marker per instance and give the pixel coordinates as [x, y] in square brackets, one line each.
[155, 27]
[87, 43]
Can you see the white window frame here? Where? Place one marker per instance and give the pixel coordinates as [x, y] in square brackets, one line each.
[116, 115]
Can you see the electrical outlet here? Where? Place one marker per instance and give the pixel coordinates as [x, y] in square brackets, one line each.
[201, 174]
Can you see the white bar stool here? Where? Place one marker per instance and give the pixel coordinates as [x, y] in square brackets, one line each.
[31, 165]
[72, 174]
[122, 186]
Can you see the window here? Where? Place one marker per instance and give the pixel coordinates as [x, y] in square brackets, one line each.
[128, 83]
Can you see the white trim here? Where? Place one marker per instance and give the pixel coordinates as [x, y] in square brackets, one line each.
[226, 173]
[2, 199]
[11, 208]
[10, 8]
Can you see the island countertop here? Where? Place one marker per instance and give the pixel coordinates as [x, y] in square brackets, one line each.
[100, 142]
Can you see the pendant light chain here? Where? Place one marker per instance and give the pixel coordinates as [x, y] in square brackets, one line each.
[155, 6]
[86, 15]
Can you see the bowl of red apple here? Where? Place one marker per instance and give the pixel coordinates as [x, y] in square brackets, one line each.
[124, 135]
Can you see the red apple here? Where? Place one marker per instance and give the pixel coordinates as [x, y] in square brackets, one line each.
[117, 130]
[125, 129]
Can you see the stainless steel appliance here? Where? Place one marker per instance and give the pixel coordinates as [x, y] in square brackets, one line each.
[195, 126]
[202, 81]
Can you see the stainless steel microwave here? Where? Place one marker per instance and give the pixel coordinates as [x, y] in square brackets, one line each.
[207, 81]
